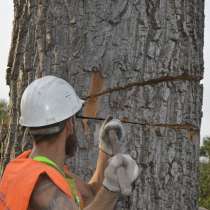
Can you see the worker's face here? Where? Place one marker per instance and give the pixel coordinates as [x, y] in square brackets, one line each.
[71, 141]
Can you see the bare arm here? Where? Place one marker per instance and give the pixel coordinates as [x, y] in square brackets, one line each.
[90, 189]
[96, 181]
[47, 196]
[104, 200]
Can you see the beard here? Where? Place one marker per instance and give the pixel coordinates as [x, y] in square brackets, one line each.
[71, 144]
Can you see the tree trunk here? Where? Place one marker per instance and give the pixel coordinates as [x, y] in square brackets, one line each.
[137, 60]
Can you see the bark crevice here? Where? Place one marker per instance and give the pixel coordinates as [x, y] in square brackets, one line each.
[144, 83]
[186, 126]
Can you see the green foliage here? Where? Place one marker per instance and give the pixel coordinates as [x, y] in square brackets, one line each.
[3, 111]
[204, 179]
[205, 149]
[4, 117]
[204, 199]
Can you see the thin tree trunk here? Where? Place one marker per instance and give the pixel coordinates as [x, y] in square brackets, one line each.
[138, 60]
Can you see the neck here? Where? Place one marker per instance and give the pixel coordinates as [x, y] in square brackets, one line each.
[54, 151]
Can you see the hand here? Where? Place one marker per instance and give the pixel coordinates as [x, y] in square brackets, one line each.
[120, 173]
[105, 143]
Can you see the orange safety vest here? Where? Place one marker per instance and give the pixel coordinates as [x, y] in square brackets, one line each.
[19, 179]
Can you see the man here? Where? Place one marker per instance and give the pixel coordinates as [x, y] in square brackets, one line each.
[39, 179]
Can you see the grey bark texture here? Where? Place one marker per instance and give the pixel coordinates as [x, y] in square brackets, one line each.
[137, 60]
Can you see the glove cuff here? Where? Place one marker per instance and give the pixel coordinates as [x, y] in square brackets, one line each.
[110, 187]
[106, 150]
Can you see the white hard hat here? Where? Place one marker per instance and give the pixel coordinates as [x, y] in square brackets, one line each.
[47, 101]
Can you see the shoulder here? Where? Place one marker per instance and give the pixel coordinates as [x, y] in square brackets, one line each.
[47, 196]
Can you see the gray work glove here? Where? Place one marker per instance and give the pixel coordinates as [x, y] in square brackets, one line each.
[105, 143]
[120, 173]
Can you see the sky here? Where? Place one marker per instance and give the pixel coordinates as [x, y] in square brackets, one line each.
[6, 18]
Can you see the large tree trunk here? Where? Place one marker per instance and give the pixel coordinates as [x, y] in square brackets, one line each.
[138, 60]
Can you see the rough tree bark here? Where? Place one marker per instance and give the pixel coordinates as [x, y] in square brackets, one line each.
[138, 60]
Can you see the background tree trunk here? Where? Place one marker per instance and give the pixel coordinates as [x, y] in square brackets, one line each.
[138, 60]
